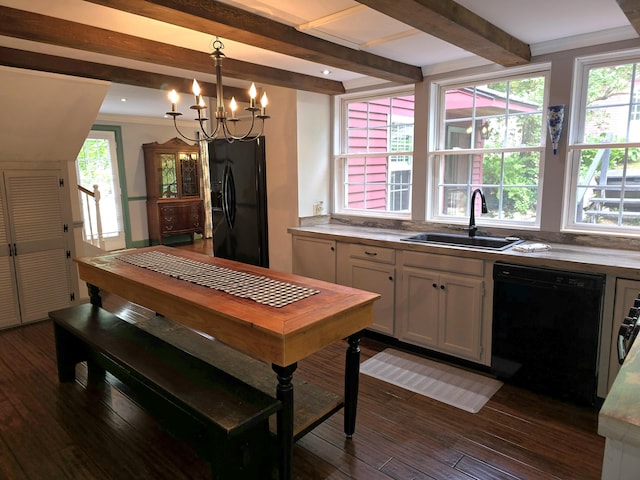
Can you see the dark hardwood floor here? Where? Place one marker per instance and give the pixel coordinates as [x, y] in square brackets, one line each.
[54, 431]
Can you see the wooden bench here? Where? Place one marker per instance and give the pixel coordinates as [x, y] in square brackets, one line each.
[313, 404]
[225, 419]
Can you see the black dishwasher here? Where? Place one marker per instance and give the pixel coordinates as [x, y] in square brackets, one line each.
[546, 326]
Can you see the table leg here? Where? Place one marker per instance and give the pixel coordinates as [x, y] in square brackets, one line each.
[284, 420]
[94, 295]
[351, 381]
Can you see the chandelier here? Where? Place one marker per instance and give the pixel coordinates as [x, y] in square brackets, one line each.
[224, 127]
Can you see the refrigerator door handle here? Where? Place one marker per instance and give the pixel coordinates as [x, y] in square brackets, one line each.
[229, 197]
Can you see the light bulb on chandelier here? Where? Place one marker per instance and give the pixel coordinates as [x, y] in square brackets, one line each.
[222, 129]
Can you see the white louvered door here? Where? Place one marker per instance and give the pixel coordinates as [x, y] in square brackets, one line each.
[9, 311]
[38, 242]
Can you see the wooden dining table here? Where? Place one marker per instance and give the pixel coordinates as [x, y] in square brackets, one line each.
[273, 316]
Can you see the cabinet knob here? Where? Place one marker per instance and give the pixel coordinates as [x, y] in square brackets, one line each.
[333, 249]
[390, 278]
[441, 287]
[435, 285]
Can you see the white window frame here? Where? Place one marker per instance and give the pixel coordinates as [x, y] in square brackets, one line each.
[438, 132]
[341, 146]
[582, 65]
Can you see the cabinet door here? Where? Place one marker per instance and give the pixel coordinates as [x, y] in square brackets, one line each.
[419, 293]
[40, 242]
[460, 314]
[189, 182]
[9, 312]
[377, 278]
[314, 258]
[167, 175]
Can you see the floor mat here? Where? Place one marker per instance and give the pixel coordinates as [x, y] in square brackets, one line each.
[454, 386]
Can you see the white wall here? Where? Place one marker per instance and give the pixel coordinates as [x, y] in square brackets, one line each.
[46, 116]
[282, 174]
[314, 152]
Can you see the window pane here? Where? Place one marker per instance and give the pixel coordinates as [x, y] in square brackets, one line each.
[400, 190]
[458, 134]
[457, 169]
[608, 189]
[606, 124]
[524, 130]
[522, 169]
[382, 130]
[612, 111]
[606, 198]
[380, 183]
[500, 115]
[453, 201]
[509, 182]
[496, 115]
[519, 203]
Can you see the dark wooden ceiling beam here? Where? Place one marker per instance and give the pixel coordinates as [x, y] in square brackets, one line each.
[631, 9]
[41, 62]
[41, 28]
[226, 21]
[455, 24]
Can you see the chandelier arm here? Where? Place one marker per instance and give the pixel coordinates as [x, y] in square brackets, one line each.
[259, 134]
[254, 137]
[246, 137]
[175, 124]
[212, 135]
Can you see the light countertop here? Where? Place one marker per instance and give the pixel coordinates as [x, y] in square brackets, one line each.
[623, 263]
[619, 417]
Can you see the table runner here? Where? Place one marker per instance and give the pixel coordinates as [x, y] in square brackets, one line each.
[260, 289]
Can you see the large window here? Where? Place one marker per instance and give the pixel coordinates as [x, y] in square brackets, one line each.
[604, 148]
[490, 136]
[376, 156]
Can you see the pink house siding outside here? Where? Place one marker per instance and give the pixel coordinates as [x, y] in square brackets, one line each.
[368, 176]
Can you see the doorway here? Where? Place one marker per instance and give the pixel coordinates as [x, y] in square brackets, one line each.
[97, 164]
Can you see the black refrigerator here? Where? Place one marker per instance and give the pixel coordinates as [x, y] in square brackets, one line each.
[239, 201]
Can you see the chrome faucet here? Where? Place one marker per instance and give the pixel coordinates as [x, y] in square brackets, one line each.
[472, 219]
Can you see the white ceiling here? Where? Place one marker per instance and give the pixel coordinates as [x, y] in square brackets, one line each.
[546, 25]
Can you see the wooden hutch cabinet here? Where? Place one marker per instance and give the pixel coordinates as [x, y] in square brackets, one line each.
[174, 205]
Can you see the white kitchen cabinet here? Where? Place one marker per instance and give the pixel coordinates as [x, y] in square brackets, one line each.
[314, 258]
[373, 269]
[441, 303]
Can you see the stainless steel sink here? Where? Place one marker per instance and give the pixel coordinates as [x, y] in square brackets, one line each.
[490, 243]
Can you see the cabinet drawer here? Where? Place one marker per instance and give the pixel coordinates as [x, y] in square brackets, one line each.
[373, 254]
[467, 266]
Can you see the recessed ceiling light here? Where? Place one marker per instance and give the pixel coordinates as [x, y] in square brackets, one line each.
[123, 99]
[326, 71]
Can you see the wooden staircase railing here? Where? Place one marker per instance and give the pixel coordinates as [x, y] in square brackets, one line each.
[92, 229]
